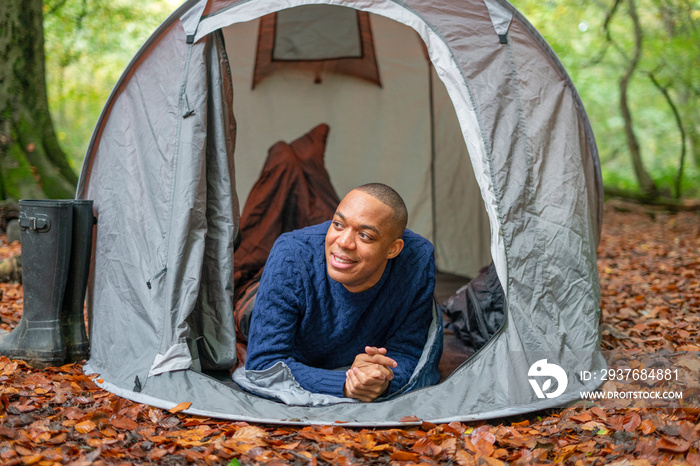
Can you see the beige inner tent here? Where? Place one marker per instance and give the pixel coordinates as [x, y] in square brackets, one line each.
[403, 133]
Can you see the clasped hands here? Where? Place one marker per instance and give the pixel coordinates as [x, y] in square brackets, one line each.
[369, 375]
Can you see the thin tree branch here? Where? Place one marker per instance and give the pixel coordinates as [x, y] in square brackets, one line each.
[608, 35]
[609, 17]
[679, 123]
[645, 182]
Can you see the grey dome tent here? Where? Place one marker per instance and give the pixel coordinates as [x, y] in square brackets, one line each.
[471, 118]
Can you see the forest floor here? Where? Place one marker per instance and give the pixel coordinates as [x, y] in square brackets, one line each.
[649, 266]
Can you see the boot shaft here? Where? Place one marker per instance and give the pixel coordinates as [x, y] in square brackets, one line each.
[46, 243]
[46, 227]
[72, 315]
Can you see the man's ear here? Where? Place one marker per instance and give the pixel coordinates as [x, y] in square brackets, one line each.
[395, 248]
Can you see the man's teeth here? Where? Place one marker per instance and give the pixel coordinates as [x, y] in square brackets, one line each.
[342, 261]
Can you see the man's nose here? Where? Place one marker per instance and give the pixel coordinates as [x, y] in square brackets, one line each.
[346, 239]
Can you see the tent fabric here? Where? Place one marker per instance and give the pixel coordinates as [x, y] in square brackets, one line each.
[524, 168]
[295, 40]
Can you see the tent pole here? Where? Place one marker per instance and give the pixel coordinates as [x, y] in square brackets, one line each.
[432, 157]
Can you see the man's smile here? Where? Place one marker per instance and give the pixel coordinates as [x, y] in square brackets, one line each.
[341, 261]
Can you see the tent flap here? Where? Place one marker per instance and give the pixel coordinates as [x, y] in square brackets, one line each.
[501, 16]
[190, 19]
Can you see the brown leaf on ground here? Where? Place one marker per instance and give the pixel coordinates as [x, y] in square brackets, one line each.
[649, 272]
[631, 421]
[180, 407]
[673, 444]
[647, 427]
[409, 419]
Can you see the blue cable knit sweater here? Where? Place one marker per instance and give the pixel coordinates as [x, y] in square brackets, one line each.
[314, 325]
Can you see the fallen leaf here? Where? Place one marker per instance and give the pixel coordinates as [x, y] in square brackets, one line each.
[464, 459]
[593, 426]
[672, 444]
[581, 418]
[180, 407]
[409, 419]
[85, 426]
[647, 427]
[123, 422]
[32, 459]
[404, 456]
[169, 422]
[631, 421]
[483, 434]
[23, 451]
[487, 461]
[483, 447]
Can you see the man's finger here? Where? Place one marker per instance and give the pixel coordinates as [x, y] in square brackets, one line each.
[372, 350]
[355, 389]
[383, 360]
[375, 359]
[374, 369]
[363, 392]
[372, 377]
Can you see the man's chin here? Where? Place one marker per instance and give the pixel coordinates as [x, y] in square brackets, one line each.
[335, 275]
[341, 276]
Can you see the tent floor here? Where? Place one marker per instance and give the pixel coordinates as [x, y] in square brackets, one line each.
[454, 352]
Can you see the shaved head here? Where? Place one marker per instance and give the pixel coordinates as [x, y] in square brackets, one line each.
[390, 197]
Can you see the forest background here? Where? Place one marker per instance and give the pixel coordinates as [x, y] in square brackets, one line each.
[635, 63]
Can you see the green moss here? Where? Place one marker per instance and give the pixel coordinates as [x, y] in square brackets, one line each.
[19, 181]
[29, 174]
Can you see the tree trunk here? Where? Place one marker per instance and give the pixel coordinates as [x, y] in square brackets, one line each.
[645, 182]
[32, 164]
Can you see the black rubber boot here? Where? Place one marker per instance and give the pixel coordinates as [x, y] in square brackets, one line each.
[72, 317]
[46, 241]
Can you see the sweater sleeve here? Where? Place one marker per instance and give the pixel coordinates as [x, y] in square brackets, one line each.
[279, 308]
[405, 346]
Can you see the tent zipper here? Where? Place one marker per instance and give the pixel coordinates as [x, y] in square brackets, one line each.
[158, 275]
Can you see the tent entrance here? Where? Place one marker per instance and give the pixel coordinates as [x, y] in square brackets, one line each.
[404, 133]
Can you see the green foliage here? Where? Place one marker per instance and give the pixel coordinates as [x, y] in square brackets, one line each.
[88, 45]
[596, 61]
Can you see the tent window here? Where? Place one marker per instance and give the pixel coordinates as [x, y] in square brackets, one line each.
[319, 38]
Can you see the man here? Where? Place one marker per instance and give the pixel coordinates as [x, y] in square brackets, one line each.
[356, 294]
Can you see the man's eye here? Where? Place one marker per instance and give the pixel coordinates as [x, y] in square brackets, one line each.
[365, 236]
[337, 225]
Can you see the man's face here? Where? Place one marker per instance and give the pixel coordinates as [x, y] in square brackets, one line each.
[360, 241]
